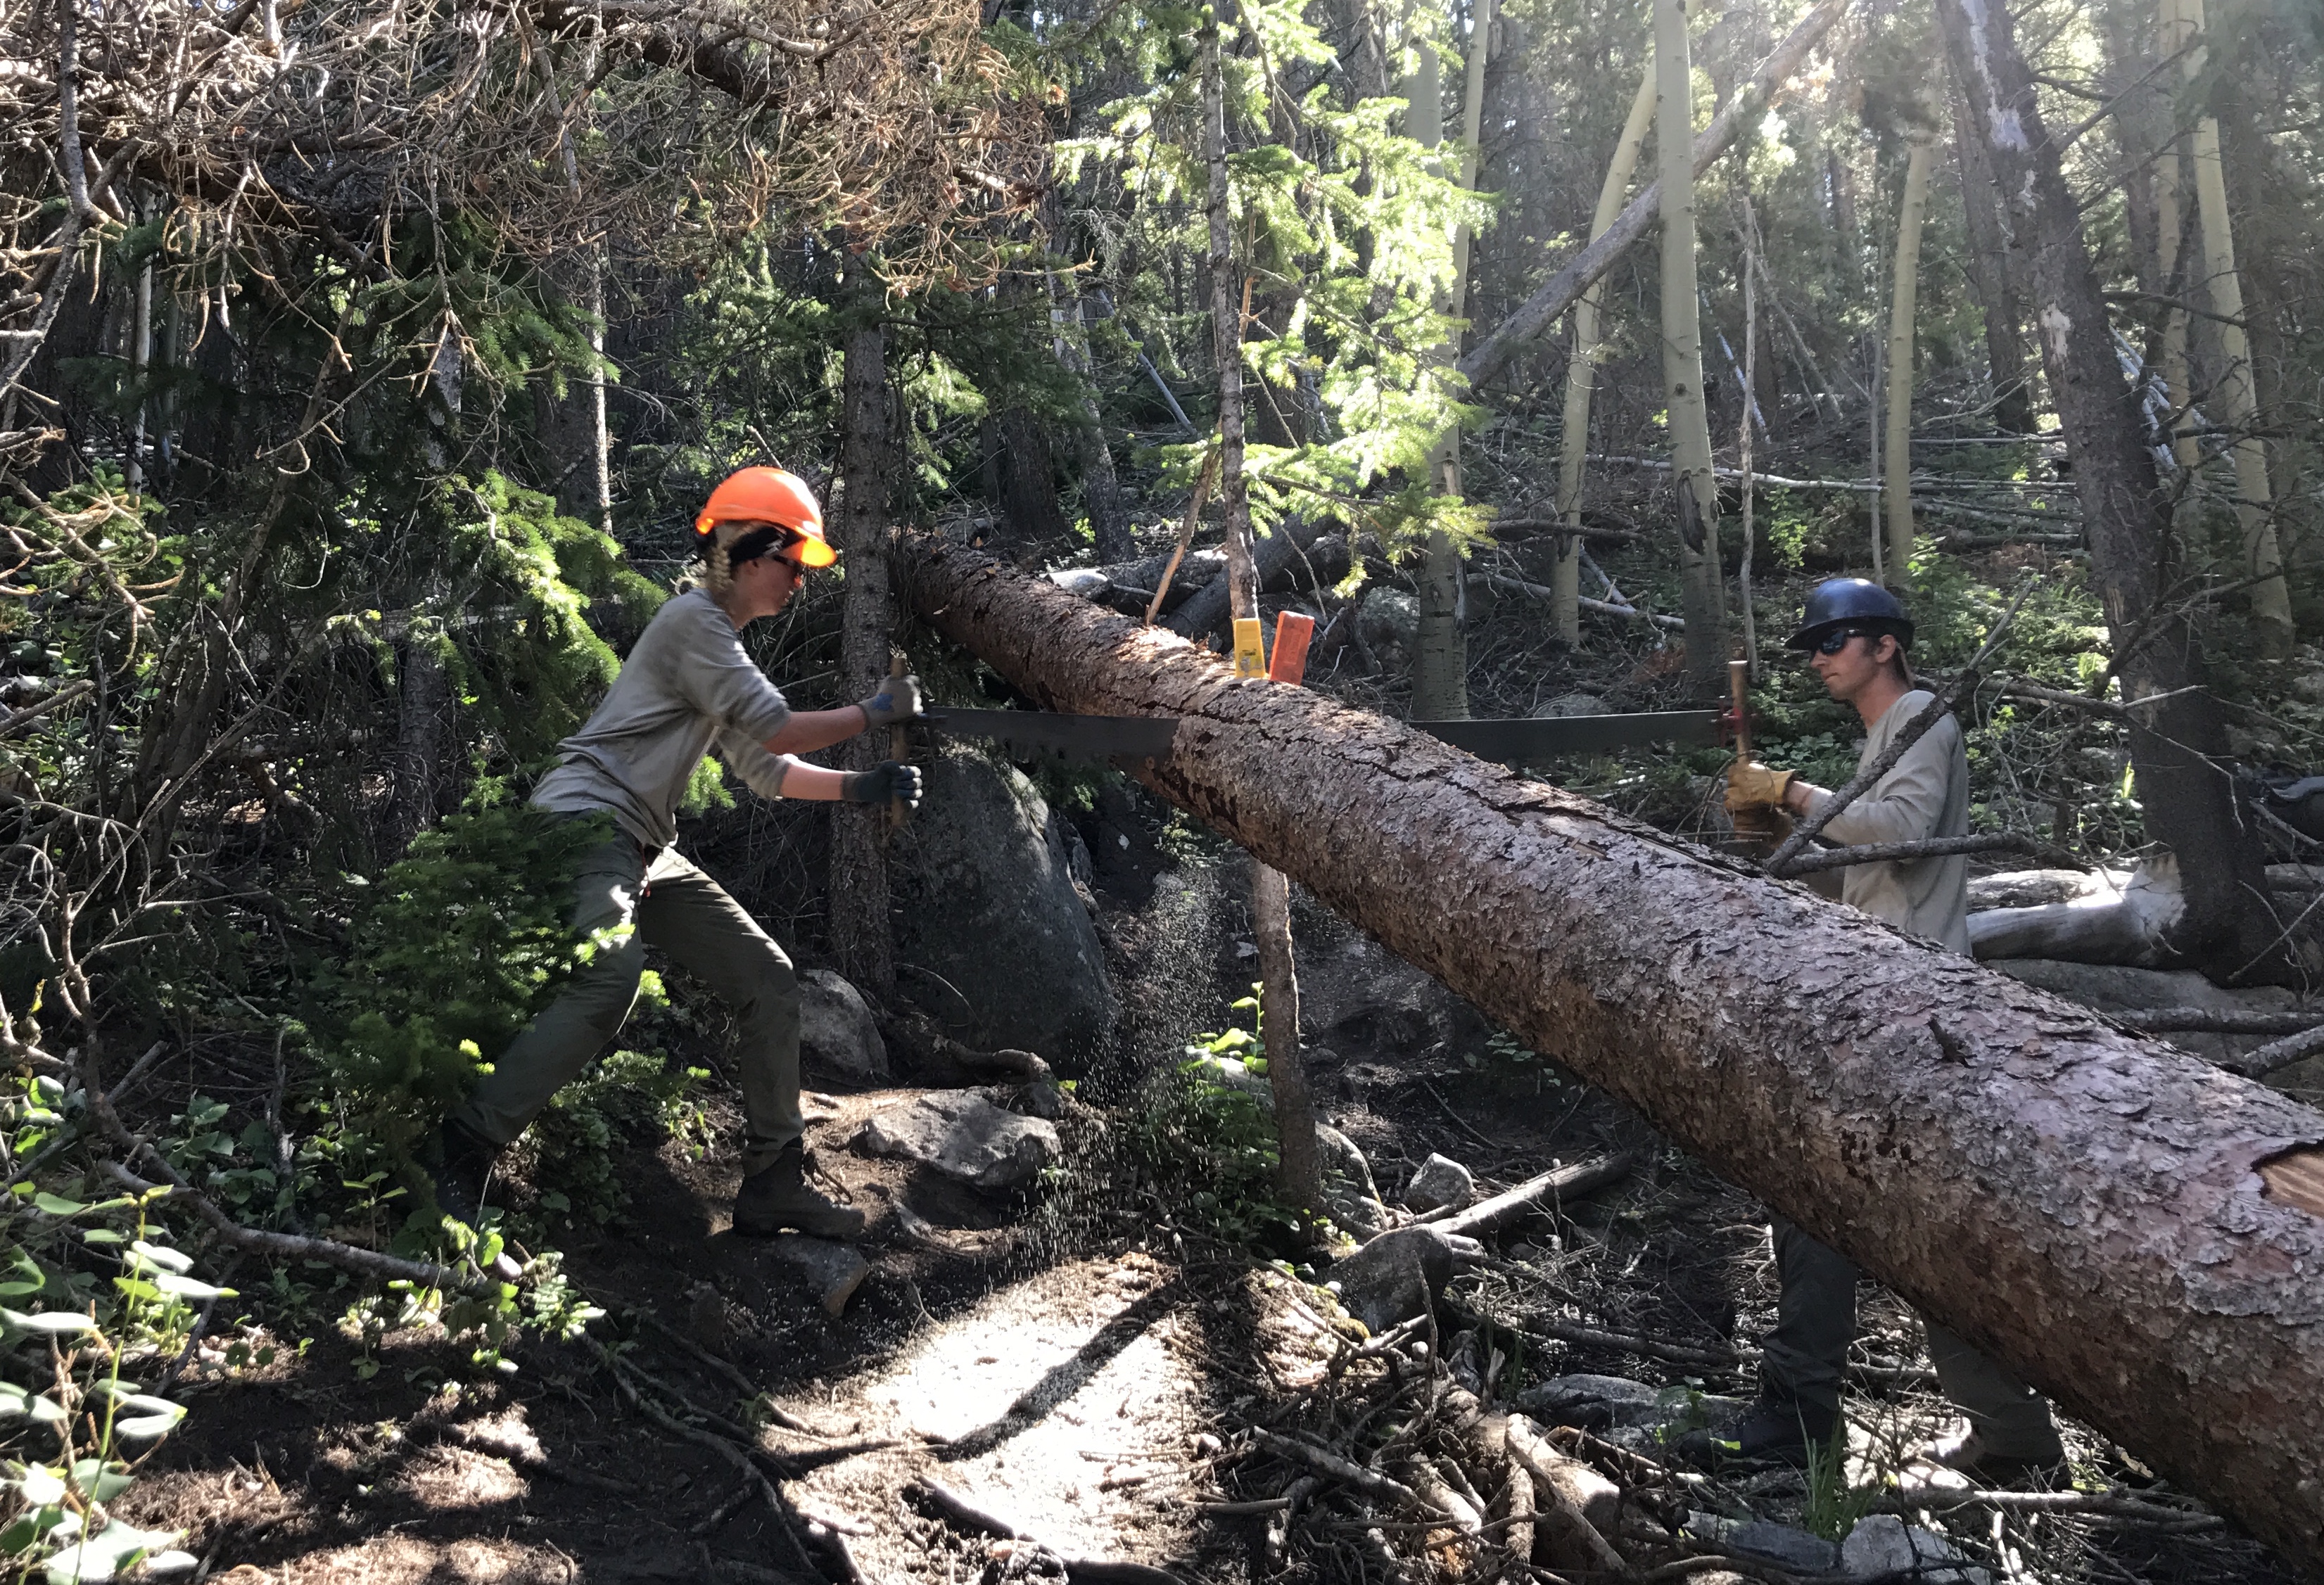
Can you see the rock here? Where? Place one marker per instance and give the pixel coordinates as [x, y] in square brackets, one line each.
[991, 939]
[963, 1136]
[1884, 1545]
[1439, 1183]
[1767, 1541]
[836, 1028]
[1373, 1007]
[1349, 1192]
[1398, 1274]
[1571, 705]
[833, 1271]
[2115, 988]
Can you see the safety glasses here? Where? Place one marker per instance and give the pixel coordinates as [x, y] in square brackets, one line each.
[1833, 642]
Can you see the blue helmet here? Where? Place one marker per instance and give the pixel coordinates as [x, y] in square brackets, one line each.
[1856, 602]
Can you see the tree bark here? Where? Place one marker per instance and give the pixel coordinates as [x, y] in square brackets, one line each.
[1558, 293]
[2178, 746]
[1702, 596]
[1581, 375]
[862, 939]
[1902, 306]
[2119, 1222]
[1992, 271]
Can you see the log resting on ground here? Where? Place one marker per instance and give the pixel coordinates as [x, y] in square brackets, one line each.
[2138, 1233]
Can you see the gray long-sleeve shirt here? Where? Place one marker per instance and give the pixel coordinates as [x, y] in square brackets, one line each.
[1924, 795]
[687, 684]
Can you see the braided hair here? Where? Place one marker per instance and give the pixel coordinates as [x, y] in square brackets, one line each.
[729, 546]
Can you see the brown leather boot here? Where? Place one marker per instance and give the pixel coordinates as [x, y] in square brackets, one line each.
[777, 1198]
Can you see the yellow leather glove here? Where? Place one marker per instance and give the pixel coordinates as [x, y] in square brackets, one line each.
[1753, 786]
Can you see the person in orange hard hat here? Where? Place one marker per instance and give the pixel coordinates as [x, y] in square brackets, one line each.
[687, 688]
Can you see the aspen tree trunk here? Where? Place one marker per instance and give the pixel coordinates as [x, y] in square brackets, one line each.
[1298, 1171]
[1694, 484]
[2169, 233]
[141, 358]
[1440, 651]
[1901, 309]
[863, 938]
[1492, 352]
[1582, 373]
[2271, 603]
[2178, 744]
[2120, 1222]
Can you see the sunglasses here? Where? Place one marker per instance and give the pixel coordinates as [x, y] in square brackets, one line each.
[1833, 642]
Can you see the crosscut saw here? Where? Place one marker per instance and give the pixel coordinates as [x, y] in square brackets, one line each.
[1526, 740]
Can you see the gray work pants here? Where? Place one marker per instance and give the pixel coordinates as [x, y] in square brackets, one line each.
[677, 908]
[1806, 1358]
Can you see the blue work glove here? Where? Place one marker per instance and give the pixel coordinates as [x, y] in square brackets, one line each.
[898, 699]
[890, 779]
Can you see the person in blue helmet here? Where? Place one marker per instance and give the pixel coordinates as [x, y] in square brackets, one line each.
[1858, 640]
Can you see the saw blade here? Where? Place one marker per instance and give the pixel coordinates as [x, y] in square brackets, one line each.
[1096, 737]
[1529, 738]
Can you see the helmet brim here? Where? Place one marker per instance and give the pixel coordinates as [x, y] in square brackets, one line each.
[813, 552]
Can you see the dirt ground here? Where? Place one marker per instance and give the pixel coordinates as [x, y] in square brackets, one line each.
[1086, 1364]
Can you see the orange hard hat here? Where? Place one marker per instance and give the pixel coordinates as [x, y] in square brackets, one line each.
[770, 495]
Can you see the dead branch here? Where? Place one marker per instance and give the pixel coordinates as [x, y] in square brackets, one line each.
[1929, 847]
[1555, 1185]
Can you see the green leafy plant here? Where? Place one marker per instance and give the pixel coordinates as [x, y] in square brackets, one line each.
[1210, 1145]
[453, 951]
[1833, 1505]
[75, 1416]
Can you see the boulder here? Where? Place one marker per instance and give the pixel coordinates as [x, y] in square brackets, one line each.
[1398, 1274]
[1440, 1184]
[991, 939]
[1349, 1192]
[836, 1028]
[1765, 1541]
[1884, 1546]
[965, 1135]
[1566, 705]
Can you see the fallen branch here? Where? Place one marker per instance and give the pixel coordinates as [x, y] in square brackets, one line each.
[1931, 847]
[352, 1258]
[2277, 1054]
[1559, 1183]
[2212, 1021]
[2112, 1505]
[1571, 1539]
[1370, 1482]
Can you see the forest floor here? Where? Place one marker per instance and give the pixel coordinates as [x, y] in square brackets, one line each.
[1092, 1373]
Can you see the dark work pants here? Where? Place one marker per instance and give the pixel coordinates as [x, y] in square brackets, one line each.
[1806, 1358]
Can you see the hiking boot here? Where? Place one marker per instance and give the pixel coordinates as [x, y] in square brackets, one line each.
[461, 1163]
[776, 1198]
[1772, 1434]
[1966, 1453]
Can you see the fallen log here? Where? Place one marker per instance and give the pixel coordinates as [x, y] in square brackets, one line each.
[2133, 1231]
[1585, 1178]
